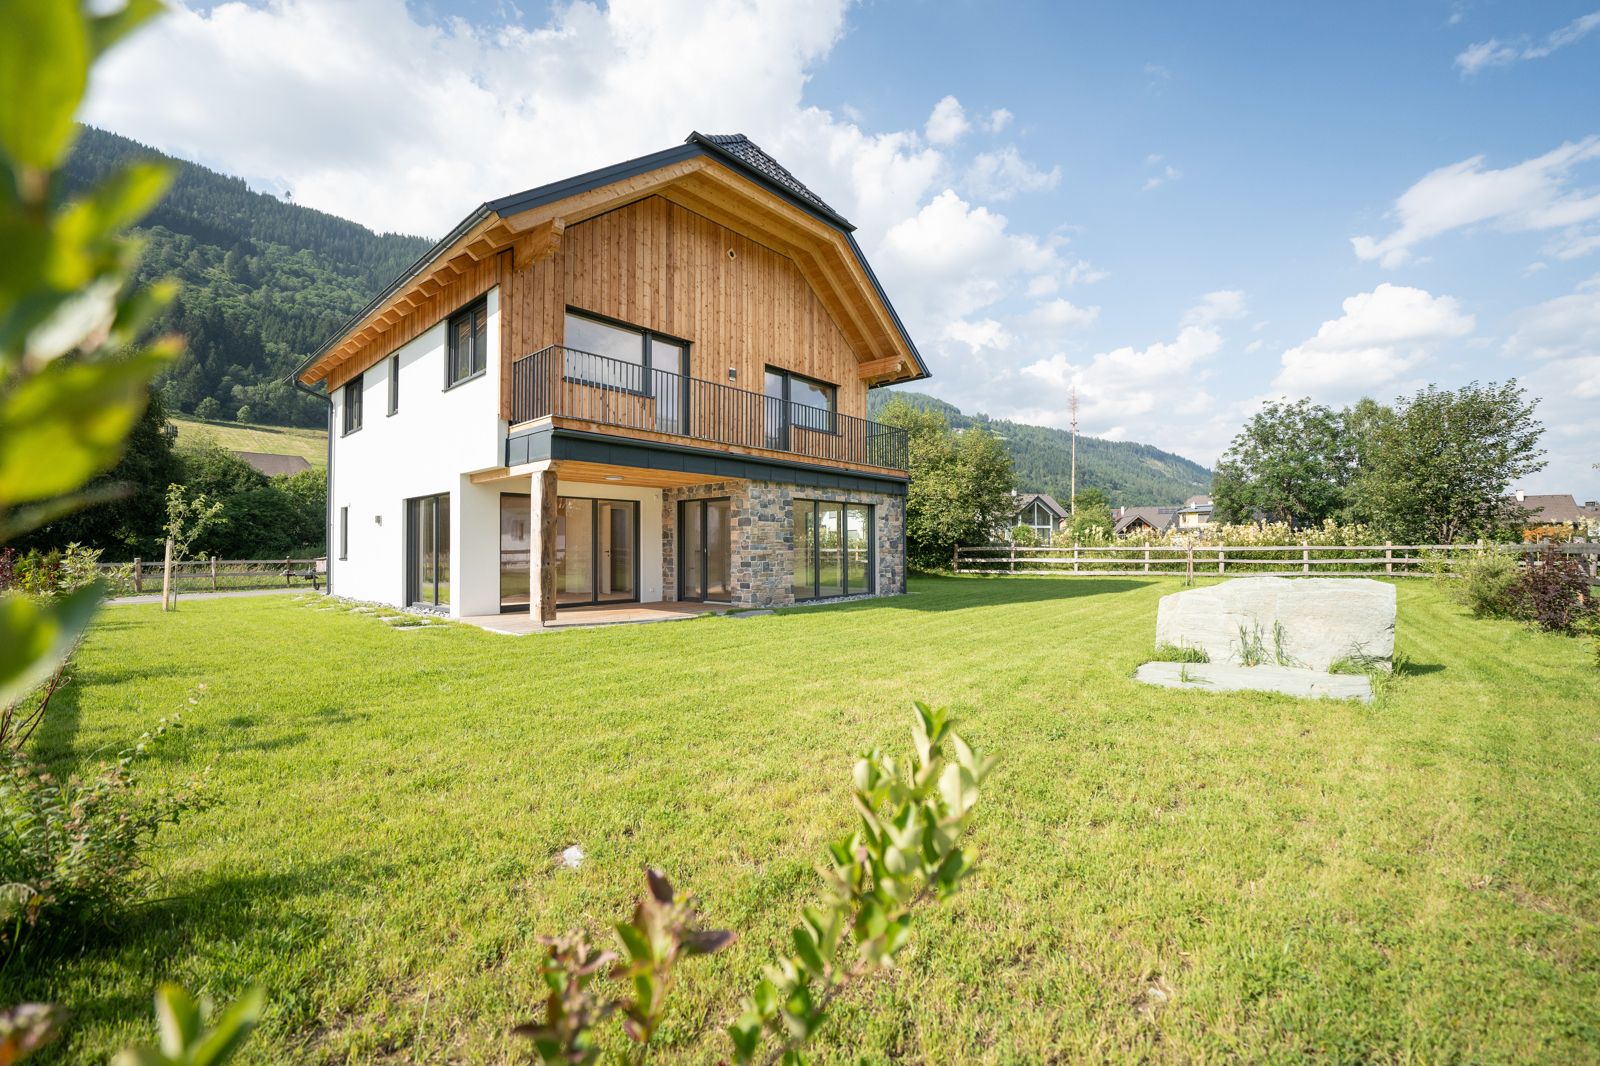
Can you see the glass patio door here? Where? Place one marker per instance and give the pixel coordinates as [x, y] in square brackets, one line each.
[516, 551]
[597, 551]
[705, 550]
[428, 551]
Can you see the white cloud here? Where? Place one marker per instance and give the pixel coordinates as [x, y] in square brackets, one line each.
[1566, 327]
[1060, 314]
[1532, 195]
[1083, 272]
[1002, 174]
[1555, 352]
[980, 334]
[1165, 172]
[1382, 337]
[1496, 53]
[1214, 307]
[998, 120]
[948, 122]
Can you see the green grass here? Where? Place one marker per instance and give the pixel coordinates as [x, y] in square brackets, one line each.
[1164, 874]
[312, 444]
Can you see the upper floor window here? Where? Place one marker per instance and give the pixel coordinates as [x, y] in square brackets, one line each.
[352, 404]
[637, 358]
[469, 343]
[800, 401]
[394, 383]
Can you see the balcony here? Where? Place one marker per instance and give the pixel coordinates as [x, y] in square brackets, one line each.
[645, 403]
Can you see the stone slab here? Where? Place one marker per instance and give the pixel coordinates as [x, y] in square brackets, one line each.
[1320, 620]
[1290, 681]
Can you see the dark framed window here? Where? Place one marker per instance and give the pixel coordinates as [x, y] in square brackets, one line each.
[352, 404]
[614, 355]
[798, 402]
[394, 383]
[469, 343]
[428, 550]
[344, 532]
[833, 549]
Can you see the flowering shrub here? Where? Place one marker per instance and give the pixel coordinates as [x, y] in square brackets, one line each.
[1553, 593]
[1554, 534]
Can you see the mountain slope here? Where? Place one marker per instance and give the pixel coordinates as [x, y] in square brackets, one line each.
[264, 282]
[1135, 475]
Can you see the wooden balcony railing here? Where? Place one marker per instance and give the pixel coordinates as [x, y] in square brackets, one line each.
[565, 382]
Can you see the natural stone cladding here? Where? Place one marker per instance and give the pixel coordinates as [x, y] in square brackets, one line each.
[761, 514]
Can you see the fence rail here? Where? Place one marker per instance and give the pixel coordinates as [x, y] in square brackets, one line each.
[612, 392]
[1279, 560]
[209, 575]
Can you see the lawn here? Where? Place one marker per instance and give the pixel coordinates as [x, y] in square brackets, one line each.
[311, 444]
[1166, 875]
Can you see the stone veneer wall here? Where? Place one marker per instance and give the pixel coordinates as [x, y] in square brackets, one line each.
[762, 517]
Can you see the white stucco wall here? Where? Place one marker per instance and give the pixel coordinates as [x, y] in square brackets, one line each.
[437, 439]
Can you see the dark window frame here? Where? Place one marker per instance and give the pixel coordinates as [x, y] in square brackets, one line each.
[594, 549]
[647, 339]
[344, 533]
[478, 362]
[789, 404]
[394, 384]
[704, 503]
[441, 515]
[353, 404]
[844, 553]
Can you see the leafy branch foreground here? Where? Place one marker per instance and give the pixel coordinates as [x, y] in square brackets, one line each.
[905, 850]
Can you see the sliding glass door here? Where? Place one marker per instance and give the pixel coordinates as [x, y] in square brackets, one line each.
[428, 551]
[597, 551]
[705, 550]
[832, 549]
[516, 551]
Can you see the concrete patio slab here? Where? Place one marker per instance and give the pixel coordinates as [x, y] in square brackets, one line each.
[605, 614]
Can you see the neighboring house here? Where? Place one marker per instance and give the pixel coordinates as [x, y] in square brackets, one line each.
[274, 465]
[1194, 514]
[1039, 512]
[1557, 510]
[1133, 520]
[644, 383]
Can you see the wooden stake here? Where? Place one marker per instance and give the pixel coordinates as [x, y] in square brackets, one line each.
[166, 579]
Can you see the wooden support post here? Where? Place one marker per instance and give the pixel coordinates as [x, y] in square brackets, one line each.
[955, 561]
[1388, 557]
[1305, 559]
[138, 574]
[1188, 573]
[542, 519]
[1013, 567]
[166, 579]
[1222, 558]
[1147, 558]
[1074, 557]
[213, 573]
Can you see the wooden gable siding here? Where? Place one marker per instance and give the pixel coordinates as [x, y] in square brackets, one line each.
[479, 277]
[659, 265]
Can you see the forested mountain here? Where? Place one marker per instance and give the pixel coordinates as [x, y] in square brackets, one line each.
[264, 282]
[1133, 475]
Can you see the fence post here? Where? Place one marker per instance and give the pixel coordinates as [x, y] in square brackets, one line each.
[288, 565]
[1074, 557]
[1188, 574]
[1013, 557]
[1222, 558]
[1305, 559]
[955, 560]
[1388, 557]
[1147, 558]
[166, 578]
[213, 573]
[138, 574]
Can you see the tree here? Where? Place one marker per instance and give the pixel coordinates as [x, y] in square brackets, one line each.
[1092, 523]
[1291, 463]
[1091, 499]
[242, 414]
[1439, 467]
[208, 409]
[961, 483]
[188, 516]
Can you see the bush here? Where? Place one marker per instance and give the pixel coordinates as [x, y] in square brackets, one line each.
[70, 851]
[1026, 537]
[1553, 593]
[1483, 582]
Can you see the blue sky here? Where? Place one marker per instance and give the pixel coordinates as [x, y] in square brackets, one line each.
[1178, 209]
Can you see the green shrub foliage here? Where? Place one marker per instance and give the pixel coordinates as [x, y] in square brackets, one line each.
[1552, 593]
[906, 849]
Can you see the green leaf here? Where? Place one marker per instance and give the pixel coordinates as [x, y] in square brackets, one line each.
[177, 1019]
[745, 1033]
[44, 69]
[68, 422]
[635, 943]
[36, 635]
[805, 946]
[231, 1029]
[107, 30]
[117, 202]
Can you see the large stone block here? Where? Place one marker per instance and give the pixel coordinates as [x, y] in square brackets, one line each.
[1305, 622]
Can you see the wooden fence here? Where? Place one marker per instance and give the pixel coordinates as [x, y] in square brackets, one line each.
[1281, 560]
[208, 575]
